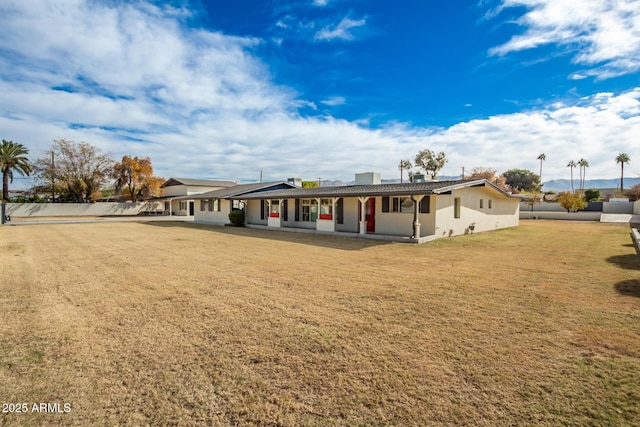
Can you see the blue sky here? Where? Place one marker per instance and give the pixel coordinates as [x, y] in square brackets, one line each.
[326, 88]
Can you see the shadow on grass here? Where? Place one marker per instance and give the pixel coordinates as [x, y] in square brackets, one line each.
[327, 241]
[628, 287]
[628, 262]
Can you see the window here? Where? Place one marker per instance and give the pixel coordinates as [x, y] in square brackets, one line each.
[481, 203]
[210, 205]
[326, 209]
[309, 210]
[456, 207]
[425, 204]
[274, 210]
[397, 204]
[183, 206]
[217, 205]
[489, 203]
[202, 203]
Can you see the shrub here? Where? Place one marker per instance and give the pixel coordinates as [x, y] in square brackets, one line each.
[592, 195]
[236, 218]
[571, 201]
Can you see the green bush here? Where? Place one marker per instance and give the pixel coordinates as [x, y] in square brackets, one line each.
[592, 195]
[237, 218]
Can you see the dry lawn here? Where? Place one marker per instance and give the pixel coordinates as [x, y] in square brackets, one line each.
[178, 324]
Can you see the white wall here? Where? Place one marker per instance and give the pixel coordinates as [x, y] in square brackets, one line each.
[252, 213]
[19, 210]
[504, 212]
[212, 217]
[350, 216]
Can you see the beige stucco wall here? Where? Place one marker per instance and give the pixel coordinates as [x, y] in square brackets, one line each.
[212, 217]
[186, 190]
[252, 213]
[350, 217]
[20, 210]
[504, 212]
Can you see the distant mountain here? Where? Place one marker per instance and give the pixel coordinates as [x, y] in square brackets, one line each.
[565, 184]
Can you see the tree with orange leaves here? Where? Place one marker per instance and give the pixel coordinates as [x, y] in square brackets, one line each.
[134, 178]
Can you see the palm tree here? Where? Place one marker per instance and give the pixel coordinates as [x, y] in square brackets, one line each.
[572, 165]
[622, 159]
[542, 157]
[12, 158]
[584, 164]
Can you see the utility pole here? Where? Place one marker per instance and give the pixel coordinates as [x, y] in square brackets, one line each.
[463, 172]
[53, 178]
[319, 185]
[260, 175]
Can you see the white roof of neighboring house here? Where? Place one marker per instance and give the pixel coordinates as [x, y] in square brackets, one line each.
[241, 189]
[197, 183]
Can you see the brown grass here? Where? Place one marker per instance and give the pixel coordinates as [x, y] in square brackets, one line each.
[179, 324]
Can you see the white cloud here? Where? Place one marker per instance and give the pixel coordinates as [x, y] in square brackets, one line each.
[601, 33]
[134, 80]
[320, 3]
[341, 31]
[334, 101]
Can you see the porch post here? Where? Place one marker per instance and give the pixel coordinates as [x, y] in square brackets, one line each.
[416, 215]
[170, 207]
[363, 220]
[245, 210]
[333, 212]
[280, 211]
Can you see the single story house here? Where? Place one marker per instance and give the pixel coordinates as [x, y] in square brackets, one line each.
[177, 191]
[413, 212]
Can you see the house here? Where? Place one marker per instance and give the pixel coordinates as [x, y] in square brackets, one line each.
[413, 212]
[417, 212]
[213, 207]
[177, 191]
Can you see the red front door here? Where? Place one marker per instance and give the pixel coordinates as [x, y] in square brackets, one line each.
[370, 215]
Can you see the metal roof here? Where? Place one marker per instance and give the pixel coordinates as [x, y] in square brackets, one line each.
[197, 183]
[405, 189]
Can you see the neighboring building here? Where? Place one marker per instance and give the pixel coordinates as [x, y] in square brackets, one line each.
[416, 212]
[177, 190]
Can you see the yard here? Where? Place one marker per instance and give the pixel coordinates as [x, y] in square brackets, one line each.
[180, 324]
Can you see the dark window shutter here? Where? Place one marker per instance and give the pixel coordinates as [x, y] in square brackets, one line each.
[424, 204]
[285, 210]
[297, 206]
[340, 211]
[385, 204]
[262, 209]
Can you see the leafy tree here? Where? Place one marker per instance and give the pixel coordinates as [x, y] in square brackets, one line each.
[430, 162]
[310, 184]
[13, 157]
[622, 158]
[405, 164]
[534, 199]
[489, 174]
[134, 177]
[592, 195]
[633, 193]
[522, 179]
[584, 164]
[542, 157]
[572, 165]
[75, 171]
[571, 201]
